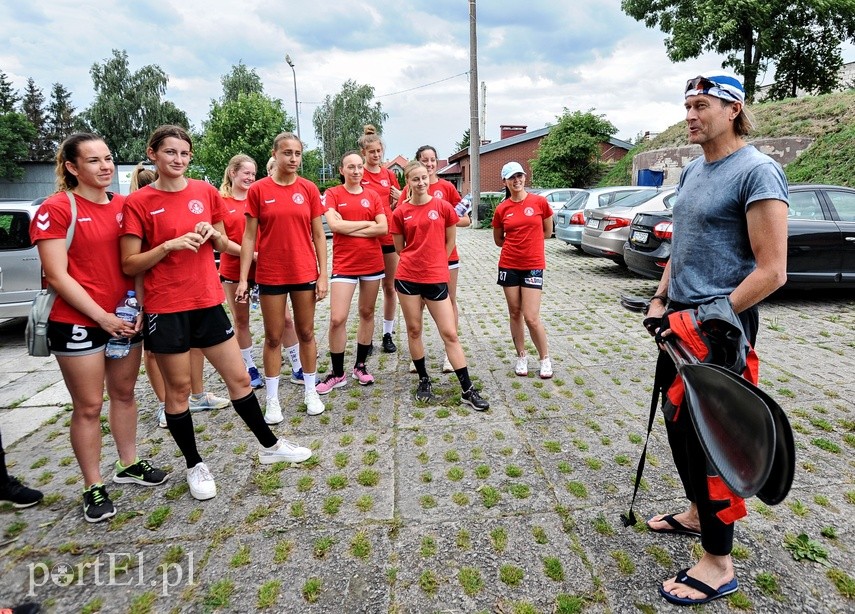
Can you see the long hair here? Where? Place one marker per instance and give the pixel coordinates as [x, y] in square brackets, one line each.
[68, 151]
[423, 149]
[161, 133]
[233, 166]
[141, 177]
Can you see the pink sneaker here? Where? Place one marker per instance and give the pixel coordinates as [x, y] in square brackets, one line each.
[361, 374]
[331, 381]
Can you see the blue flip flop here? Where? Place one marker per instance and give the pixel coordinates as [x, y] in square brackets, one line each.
[711, 593]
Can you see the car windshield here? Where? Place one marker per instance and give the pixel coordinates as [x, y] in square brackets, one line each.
[635, 199]
[577, 202]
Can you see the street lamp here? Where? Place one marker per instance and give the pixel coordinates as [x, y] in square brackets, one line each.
[296, 107]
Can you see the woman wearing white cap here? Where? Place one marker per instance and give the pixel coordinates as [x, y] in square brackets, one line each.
[520, 224]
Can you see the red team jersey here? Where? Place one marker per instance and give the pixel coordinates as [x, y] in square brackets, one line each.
[94, 260]
[423, 227]
[355, 255]
[522, 224]
[382, 183]
[286, 252]
[446, 191]
[235, 224]
[184, 280]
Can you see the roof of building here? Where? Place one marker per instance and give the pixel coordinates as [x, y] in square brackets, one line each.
[527, 136]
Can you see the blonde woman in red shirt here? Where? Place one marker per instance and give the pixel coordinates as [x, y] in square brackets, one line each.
[357, 218]
[385, 183]
[424, 229]
[521, 223]
[284, 229]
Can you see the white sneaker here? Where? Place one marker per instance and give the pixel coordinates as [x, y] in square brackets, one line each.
[161, 415]
[447, 366]
[273, 414]
[521, 368]
[314, 405]
[201, 482]
[284, 450]
[545, 368]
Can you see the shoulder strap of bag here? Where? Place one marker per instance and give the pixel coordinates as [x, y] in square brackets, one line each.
[69, 236]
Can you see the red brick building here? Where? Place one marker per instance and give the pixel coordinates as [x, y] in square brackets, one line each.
[518, 145]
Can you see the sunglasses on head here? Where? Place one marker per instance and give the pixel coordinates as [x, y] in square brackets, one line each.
[701, 83]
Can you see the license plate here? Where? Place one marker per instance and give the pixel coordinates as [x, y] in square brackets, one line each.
[592, 223]
[639, 236]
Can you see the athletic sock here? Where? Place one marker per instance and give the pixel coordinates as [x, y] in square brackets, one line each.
[250, 412]
[463, 377]
[388, 327]
[362, 350]
[246, 353]
[181, 428]
[421, 368]
[337, 360]
[271, 384]
[309, 382]
[294, 356]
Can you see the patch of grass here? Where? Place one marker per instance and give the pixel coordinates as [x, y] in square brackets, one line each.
[513, 471]
[305, 483]
[241, 557]
[470, 580]
[427, 502]
[553, 568]
[511, 574]
[739, 601]
[768, 584]
[360, 546]
[577, 489]
[365, 503]
[829, 532]
[95, 605]
[624, 563]
[460, 499]
[369, 457]
[143, 604]
[803, 547]
[341, 459]
[452, 456]
[337, 481]
[463, 539]
[40, 462]
[499, 539]
[569, 604]
[455, 474]
[14, 529]
[157, 517]
[282, 551]
[825, 444]
[332, 505]
[268, 593]
[260, 512]
[490, 496]
[482, 472]
[298, 509]
[322, 546]
[219, 594]
[552, 446]
[603, 526]
[368, 477]
[519, 491]
[564, 467]
[429, 582]
[428, 547]
[843, 582]
[660, 555]
[311, 590]
[539, 534]
[268, 481]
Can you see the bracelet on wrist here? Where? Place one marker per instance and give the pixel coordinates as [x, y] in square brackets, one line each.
[661, 297]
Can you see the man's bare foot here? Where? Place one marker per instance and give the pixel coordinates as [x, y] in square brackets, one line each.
[688, 520]
[715, 571]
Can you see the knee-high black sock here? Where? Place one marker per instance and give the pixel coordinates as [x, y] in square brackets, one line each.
[4, 475]
[250, 412]
[337, 360]
[181, 428]
[421, 368]
[362, 350]
[463, 377]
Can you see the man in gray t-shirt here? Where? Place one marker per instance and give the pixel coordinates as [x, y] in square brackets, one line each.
[730, 240]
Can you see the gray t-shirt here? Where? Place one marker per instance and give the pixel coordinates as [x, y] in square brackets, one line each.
[710, 252]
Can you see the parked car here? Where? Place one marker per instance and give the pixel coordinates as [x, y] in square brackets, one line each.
[20, 267]
[556, 197]
[570, 219]
[820, 239]
[607, 228]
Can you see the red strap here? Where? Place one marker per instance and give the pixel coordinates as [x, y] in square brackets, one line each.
[718, 491]
[684, 325]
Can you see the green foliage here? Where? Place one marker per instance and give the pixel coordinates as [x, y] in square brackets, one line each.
[129, 105]
[568, 155]
[241, 80]
[33, 107]
[340, 120]
[8, 96]
[803, 547]
[831, 159]
[463, 143]
[61, 118]
[15, 135]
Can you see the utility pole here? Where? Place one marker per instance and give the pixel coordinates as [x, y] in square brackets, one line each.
[474, 132]
[296, 104]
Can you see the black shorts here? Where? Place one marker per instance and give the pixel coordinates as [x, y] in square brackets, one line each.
[176, 333]
[524, 278]
[388, 249]
[286, 288]
[429, 292]
[77, 340]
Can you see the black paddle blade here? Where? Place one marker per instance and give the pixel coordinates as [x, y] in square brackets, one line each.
[733, 424]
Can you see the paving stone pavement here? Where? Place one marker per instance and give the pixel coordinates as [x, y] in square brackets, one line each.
[412, 508]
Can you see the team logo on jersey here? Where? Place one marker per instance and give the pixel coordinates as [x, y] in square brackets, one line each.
[432, 214]
[384, 183]
[529, 211]
[364, 202]
[196, 207]
[119, 218]
[438, 193]
[298, 198]
[43, 221]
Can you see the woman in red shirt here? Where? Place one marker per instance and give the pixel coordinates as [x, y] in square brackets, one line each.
[521, 222]
[385, 183]
[238, 176]
[357, 218]
[284, 229]
[170, 229]
[89, 283]
[424, 228]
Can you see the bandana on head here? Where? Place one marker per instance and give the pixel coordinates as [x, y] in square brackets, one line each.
[721, 85]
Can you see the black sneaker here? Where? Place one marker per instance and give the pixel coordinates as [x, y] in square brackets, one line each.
[141, 472]
[19, 495]
[96, 504]
[472, 397]
[389, 346]
[424, 392]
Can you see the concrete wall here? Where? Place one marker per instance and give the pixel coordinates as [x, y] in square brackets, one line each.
[39, 180]
[671, 160]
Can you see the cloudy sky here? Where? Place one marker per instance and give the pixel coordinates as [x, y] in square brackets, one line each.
[535, 57]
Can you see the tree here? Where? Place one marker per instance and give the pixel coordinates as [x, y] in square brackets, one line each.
[8, 96]
[61, 118]
[568, 155]
[32, 105]
[15, 135]
[752, 33]
[128, 105]
[796, 66]
[241, 80]
[340, 120]
[464, 142]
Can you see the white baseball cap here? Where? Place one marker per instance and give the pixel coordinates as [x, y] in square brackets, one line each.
[512, 168]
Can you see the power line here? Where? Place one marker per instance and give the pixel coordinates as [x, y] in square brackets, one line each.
[418, 87]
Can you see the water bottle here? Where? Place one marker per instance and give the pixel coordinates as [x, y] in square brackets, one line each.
[253, 297]
[127, 310]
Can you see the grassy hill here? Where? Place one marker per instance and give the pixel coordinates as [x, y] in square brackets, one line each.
[830, 119]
